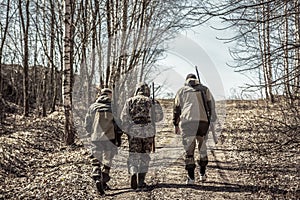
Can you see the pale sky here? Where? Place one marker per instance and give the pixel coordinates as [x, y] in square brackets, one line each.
[202, 48]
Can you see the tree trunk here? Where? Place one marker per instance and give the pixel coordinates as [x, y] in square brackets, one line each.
[269, 60]
[296, 84]
[267, 52]
[1, 53]
[287, 75]
[25, 28]
[45, 83]
[44, 91]
[53, 86]
[109, 44]
[263, 51]
[93, 59]
[67, 78]
[83, 76]
[36, 77]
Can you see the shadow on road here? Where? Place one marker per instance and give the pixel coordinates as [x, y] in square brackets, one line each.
[209, 186]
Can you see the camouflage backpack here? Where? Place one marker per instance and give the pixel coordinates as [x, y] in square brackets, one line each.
[139, 109]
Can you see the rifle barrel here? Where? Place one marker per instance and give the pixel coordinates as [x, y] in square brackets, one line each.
[153, 118]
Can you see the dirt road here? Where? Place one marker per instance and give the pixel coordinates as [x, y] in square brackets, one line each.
[167, 176]
[35, 163]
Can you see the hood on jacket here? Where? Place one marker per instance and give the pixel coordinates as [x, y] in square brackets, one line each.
[142, 89]
[106, 91]
[103, 98]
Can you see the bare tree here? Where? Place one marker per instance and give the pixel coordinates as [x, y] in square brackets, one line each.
[53, 73]
[286, 51]
[127, 37]
[68, 68]
[296, 88]
[25, 28]
[3, 38]
[264, 41]
[103, 41]
[267, 51]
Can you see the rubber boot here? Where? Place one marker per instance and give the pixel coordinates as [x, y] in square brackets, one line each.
[191, 173]
[105, 174]
[141, 181]
[191, 176]
[202, 174]
[99, 183]
[202, 170]
[100, 187]
[133, 182]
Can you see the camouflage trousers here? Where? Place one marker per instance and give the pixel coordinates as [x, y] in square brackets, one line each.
[195, 136]
[103, 153]
[190, 144]
[139, 154]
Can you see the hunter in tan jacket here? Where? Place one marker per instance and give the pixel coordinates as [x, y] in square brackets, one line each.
[191, 117]
[101, 127]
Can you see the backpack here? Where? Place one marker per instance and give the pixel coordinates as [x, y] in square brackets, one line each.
[90, 116]
[139, 109]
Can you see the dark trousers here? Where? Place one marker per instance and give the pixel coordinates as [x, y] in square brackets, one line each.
[194, 135]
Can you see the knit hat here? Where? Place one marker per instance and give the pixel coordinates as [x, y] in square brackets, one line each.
[190, 76]
[106, 91]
